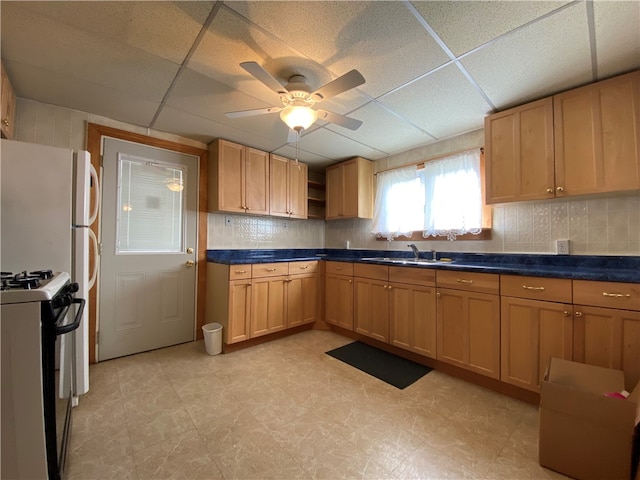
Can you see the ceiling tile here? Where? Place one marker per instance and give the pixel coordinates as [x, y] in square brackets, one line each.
[205, 130]
[544, 58]
[64, 90]
[445, 94]
[168, 29]
[383, 130]
[34, 39]
[336, 146]
[464, 25]
[617, 36]
[382, 40]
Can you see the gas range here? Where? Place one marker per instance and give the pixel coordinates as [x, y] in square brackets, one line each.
[36, 286]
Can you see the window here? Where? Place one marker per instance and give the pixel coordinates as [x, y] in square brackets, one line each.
[442, 199]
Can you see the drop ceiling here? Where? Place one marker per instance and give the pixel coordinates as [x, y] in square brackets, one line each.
[433, 70]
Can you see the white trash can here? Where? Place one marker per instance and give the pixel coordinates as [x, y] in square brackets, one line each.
[212, 338]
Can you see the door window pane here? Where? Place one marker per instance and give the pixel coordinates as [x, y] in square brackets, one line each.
[150, 216]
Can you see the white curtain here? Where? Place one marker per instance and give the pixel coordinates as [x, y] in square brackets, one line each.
[399, 203]
[453, 196]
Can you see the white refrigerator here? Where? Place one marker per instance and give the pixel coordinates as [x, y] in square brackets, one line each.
[44, 222]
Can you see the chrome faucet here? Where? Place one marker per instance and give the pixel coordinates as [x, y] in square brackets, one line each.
[433, 255]
[413, 247]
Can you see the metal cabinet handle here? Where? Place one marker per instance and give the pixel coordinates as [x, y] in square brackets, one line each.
[559, 189]
[616, 295]
[541, 289]
[304, 267]
[549, 190]
[338, 268]
[578, 314]
[566, 313]
[5, 122]
[241, 271]
[270, 269]
[461, 280]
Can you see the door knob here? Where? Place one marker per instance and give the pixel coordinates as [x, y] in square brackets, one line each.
[190, 263]
[189, 250]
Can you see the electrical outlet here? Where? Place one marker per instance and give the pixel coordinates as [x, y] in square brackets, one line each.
[228, 221]
[562, 247]
[285, 224]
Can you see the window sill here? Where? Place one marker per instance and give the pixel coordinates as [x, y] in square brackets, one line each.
[485, 234]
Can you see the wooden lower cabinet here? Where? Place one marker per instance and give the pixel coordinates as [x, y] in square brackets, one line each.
[533, 331]
[371, 315]
[268, 303]
[302, 299]
[609, 338]
[412, 318]
[339, 300]
[239, 313]
[468, 322]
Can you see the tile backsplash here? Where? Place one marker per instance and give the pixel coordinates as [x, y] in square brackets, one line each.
[244, 231]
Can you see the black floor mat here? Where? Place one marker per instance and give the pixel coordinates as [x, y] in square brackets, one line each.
[386, 366]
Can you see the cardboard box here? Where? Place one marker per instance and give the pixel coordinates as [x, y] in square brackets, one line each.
[584, 434]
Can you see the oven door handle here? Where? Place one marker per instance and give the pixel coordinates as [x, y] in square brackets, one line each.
[76, 322]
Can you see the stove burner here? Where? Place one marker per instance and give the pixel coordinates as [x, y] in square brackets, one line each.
[43, 274]
[24, 280]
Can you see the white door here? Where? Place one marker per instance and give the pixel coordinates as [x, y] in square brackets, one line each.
[148, 231]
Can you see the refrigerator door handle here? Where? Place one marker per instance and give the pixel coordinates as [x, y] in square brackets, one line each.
[96, 259]
[96, 204]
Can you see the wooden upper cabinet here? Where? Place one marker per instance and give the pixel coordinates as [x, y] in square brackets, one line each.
[238, 178]
[597, 137]
[519, 152]
[288, 188]
[350, 189]
[7, 122]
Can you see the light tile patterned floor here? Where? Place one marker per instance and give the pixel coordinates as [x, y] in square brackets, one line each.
[285, 410]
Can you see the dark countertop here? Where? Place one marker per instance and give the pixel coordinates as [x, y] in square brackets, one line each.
[577, 267]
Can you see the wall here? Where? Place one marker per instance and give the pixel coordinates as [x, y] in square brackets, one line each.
[595, 226]
[598, 226]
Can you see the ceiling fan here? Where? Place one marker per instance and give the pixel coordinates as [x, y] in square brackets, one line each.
[298, 99]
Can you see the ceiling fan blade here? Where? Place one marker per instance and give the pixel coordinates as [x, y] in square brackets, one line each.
[255, 111]
[346, 122]
[265, 77]
[341, 84]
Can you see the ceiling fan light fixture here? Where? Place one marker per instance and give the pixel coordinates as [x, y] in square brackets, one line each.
[298, 117]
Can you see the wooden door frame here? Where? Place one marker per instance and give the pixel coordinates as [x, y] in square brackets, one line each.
[95, 135]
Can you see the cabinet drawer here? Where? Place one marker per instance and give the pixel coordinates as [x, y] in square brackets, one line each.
[625, 296]
[377, 272]
[239, 272]
[269, 269]
[413, 276]
[339, 268]
[303, 267]
[536, 288]
[474, 282]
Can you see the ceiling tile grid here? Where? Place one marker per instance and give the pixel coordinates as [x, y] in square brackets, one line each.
[433, 69]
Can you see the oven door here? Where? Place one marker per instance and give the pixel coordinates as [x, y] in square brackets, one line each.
[58, 398]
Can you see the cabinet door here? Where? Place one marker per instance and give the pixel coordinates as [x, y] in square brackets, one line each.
[532, 332]
[609, 338]
[8, 98]
[239, 311]
[339, 300]
[268, 301]
[372, 308]
[412, 318]
[230, 177]
[520, 157]
[302, 299]
[334, 189]
[298, 189]
[469, 330]
[597, 137]
[279, 185]
[256, 184]
[350, 193]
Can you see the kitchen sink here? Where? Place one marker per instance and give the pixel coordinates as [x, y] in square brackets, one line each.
[405, 260]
